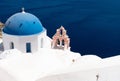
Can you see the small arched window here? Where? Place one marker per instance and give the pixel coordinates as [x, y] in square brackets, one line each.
[20, 25]
[11, 45]
[63, 42]
[61, 31]
[41, 42]
[34, 22]
[58, 42]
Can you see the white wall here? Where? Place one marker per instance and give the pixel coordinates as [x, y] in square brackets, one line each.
[72, 76]
[7, 39]
[20, 41]
[4, 76]
[105, 74]
[110, 73]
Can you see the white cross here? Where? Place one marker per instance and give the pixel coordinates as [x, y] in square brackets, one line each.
[23, 10]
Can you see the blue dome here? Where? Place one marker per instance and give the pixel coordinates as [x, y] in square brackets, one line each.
[23, 24]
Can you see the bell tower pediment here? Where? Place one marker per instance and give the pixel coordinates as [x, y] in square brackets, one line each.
[60, 40]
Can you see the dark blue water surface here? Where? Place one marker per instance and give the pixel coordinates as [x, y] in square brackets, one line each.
[92, 25]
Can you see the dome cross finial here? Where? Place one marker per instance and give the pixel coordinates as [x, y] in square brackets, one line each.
[23, 10]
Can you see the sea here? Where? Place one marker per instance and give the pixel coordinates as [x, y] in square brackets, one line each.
[92, 25]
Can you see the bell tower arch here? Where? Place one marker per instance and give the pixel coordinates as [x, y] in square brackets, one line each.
[60, 40]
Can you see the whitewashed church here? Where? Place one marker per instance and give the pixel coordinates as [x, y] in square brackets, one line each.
[25, 32]
[28, 54]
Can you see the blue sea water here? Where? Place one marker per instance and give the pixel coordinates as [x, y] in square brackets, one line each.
[92, 25]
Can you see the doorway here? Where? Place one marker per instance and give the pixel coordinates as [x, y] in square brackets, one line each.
[11, 45]
[28, 47]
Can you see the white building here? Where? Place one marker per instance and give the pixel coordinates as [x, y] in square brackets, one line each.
[25, 32]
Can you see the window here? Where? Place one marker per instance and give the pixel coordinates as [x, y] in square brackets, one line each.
[33, 22]
[61, 31]
[63, 42]
[11, 45]
[41, 42]
[20, 25]
[28, 47]
[58, 41]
